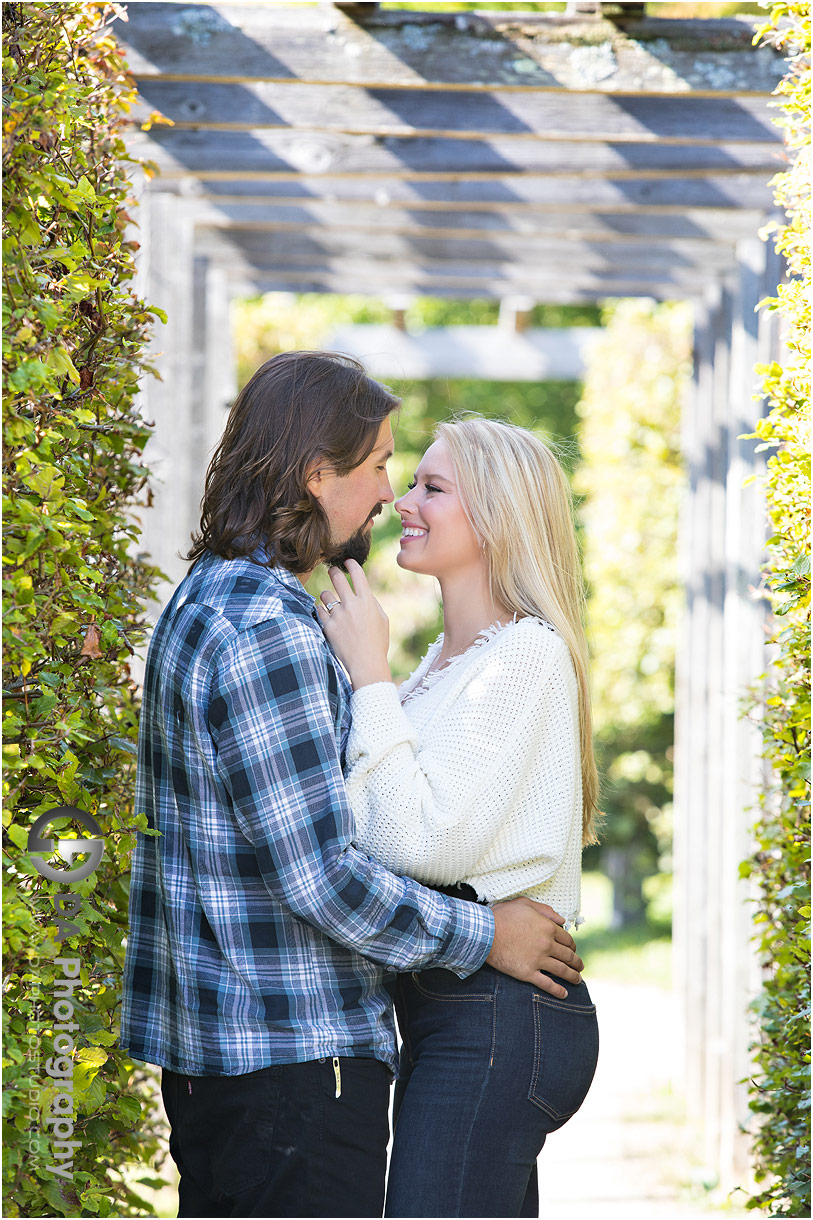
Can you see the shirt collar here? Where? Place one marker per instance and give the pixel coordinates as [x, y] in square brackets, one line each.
[287, 578]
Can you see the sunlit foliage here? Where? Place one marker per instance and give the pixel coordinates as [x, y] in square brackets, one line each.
[780, 1095]
[74, 334]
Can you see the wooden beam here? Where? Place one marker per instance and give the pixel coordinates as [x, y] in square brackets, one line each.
[497, 192]
[712, 224]
[513, 114]
[572, 292]
[495, 353]
[270, 248]
[268, 154]
[242, 42]
[453, 279]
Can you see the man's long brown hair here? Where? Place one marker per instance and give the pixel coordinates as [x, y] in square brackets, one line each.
[299, 409]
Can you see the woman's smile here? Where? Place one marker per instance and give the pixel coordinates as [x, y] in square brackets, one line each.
[412, 532]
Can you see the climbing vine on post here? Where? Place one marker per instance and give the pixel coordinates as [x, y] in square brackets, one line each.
[74, 336]
[780, 1090]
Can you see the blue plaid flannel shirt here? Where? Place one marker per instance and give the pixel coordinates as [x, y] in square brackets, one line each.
[258, 933]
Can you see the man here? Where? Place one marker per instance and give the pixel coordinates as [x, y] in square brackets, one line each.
[262, 942]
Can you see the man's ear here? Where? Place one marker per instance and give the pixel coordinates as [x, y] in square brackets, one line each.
[315, 482]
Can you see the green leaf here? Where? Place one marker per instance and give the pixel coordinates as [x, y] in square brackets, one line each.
[79, 284]
[129, 1108]
[46, 481]
[85, 190]
[59, 360]
[18, 836]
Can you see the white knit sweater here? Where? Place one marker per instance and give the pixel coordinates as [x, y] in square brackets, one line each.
[475, 774]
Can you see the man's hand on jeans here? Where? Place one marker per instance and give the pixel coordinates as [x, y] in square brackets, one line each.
[529, 937]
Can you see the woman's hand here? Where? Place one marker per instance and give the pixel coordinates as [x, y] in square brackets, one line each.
[356, 627]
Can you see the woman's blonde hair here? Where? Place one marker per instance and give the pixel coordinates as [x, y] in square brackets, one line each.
[518, 500]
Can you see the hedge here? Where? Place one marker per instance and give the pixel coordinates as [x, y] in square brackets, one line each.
[74, 337]
[780, 1088]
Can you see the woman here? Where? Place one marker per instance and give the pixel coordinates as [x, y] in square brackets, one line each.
[478, 778]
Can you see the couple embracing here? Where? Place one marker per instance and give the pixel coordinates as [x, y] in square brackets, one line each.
[330, 848]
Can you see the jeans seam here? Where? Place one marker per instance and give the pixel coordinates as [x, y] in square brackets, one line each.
[587, 1010]
[537, 1053]
[494, 1024]
[465, 1157]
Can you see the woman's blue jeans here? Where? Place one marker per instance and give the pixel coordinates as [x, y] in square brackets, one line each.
[489, 1066]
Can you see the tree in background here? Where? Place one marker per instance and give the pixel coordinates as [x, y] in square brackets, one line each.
[780, 1090]
[632, 478]
[74, 335]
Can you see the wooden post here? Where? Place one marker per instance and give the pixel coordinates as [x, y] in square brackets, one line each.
[718, 756]
[213, 384]
[743, 662]
[166, 281]
[692, 705]
[716, 779]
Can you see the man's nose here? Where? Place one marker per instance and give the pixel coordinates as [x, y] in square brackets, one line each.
[387, 495]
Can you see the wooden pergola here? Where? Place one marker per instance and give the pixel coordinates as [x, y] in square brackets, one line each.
[519, 156]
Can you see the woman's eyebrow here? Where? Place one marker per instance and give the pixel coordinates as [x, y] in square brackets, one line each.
[433, 478]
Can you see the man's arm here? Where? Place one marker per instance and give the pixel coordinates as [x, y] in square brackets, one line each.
[274, 735]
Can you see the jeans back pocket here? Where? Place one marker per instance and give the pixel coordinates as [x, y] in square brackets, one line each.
[565, 1053]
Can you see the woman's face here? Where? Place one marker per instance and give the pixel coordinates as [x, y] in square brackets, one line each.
[437, 538]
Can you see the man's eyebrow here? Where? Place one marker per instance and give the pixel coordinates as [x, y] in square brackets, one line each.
[386, 451]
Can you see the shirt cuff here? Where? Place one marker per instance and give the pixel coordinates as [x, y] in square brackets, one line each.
[469, 943]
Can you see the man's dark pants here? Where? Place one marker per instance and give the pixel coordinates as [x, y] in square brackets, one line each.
[279, 1142]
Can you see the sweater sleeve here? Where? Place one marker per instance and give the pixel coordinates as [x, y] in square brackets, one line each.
[430, 808]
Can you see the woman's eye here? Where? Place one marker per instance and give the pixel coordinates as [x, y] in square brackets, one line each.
[431, 487]
[411, 486]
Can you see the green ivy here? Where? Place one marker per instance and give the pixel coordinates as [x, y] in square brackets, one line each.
[780, 1088]
[74, 336]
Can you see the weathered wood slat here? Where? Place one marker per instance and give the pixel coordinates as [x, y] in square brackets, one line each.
[592, 117]
[267, 248]
[492, 352]
[319, 44]
[713, 224]
[362, 278]
[501, 192]
[263, 153]
[516, 278]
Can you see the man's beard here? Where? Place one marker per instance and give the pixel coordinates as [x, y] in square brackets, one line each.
[357, 546]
